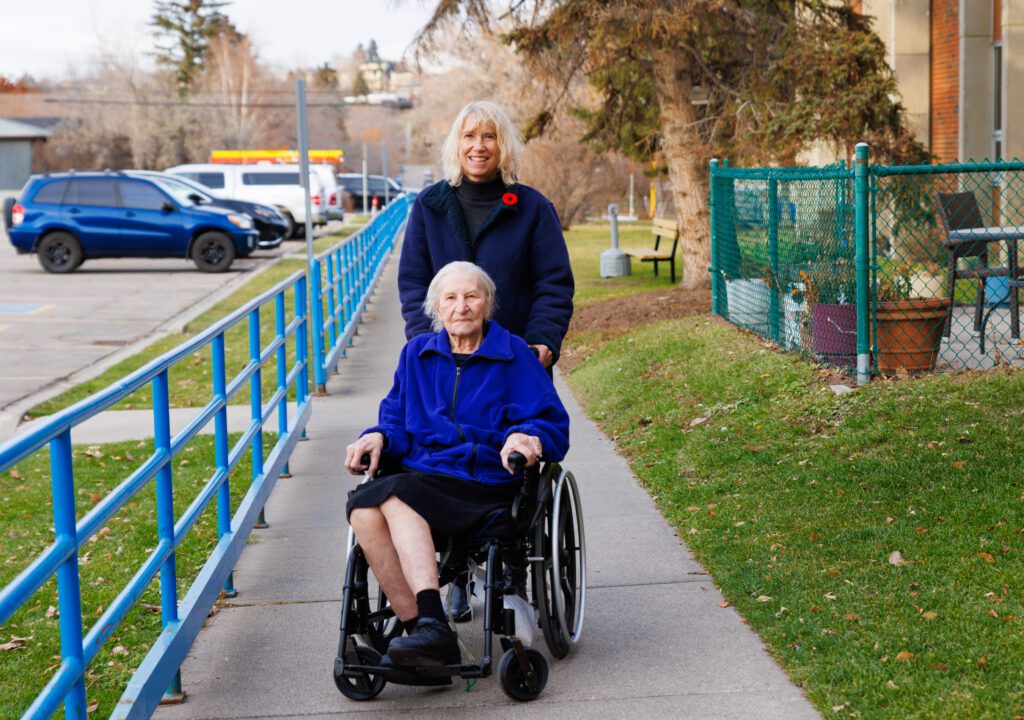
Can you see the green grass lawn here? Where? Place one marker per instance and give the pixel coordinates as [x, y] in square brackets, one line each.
[587, 241]
[794, 500]
[106, 562]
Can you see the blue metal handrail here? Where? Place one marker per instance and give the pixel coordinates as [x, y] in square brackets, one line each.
[352, 268]
[181, 622]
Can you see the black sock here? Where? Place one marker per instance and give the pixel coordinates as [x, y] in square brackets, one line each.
[428, 602]
[409, 625]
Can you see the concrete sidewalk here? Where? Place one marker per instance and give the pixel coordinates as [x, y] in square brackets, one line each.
[655, 643]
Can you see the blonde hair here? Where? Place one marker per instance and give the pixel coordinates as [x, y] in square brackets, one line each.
[433, 299]
[510, 144]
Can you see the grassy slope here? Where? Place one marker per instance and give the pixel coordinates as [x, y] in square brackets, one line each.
[794, 498]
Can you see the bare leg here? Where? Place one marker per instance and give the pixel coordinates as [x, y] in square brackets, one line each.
[411, 538]
[371, 529]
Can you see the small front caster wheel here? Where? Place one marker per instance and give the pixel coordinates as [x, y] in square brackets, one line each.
[519, 683]
[365, 687]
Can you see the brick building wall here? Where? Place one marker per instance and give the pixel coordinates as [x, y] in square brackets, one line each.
[945, 86]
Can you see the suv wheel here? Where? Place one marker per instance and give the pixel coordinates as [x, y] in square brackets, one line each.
[213, 252]
[59, 252]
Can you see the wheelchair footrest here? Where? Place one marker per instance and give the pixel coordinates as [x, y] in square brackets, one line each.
[426, 676]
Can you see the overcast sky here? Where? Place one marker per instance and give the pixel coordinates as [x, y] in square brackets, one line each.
[53, 38]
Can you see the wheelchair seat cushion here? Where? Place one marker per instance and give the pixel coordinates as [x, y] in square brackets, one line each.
[452, 507]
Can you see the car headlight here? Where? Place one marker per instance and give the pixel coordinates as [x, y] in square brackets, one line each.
[262, 213]
[242, 221]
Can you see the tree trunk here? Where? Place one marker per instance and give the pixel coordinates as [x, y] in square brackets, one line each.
[673, 81]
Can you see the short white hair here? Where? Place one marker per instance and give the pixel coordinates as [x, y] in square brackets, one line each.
[433, 299]
[510, 143]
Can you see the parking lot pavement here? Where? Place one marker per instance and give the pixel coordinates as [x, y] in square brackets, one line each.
[56, 330]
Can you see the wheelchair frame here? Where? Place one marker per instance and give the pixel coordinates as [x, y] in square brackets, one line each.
[550, 537]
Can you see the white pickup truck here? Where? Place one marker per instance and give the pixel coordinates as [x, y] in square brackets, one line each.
[277, 185]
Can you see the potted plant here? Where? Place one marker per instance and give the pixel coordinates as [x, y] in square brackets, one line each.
[830, 317]
[909, 319]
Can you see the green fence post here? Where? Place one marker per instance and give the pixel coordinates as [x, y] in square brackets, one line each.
[861, 235]
[715, 275]
[774, 305]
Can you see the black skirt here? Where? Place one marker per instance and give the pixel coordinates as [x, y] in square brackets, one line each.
[453, 508]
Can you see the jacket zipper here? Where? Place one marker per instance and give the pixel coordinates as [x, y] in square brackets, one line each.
[462, 436]
[455, 392]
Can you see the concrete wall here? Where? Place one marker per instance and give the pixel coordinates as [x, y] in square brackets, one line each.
[1013, 78]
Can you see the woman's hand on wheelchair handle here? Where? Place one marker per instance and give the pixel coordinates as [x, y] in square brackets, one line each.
[372, 445]
[527, 445]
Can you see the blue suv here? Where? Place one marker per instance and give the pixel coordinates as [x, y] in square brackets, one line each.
[66, 218]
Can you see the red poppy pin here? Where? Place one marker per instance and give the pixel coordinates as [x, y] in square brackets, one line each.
[510, 198]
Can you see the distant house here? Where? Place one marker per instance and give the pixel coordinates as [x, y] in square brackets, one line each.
[21, 149]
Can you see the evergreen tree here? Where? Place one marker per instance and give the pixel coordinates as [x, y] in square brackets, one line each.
[682, 80]
[184, 29]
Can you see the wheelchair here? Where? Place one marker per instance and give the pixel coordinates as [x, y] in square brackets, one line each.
[543, 534]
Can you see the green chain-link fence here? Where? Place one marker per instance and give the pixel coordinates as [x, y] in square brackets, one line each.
[882, 269]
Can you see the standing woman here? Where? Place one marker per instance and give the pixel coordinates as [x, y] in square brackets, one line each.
[481, 213]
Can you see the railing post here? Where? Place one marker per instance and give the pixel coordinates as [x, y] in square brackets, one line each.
[69, 591]
[332, 331]
[774, 305]
[301, 347]
[256, 404]
[860, 194]
[282, 372]
[318, 331]
[716, 279]
[220, 441]
[165, 516]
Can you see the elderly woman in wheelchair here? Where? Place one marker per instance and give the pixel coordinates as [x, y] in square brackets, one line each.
[469, 416]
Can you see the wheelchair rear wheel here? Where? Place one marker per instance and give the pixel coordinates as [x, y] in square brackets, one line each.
[560, 578]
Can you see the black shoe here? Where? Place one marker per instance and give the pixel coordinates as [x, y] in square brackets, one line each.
[458, 599]
[433, 643]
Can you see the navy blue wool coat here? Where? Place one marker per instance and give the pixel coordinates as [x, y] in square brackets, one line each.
[439, 418]
[519, 244]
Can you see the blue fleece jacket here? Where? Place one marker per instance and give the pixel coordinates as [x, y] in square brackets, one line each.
[454, 421]
[519, 244]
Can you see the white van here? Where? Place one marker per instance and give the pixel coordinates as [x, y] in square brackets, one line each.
[334, 206]
[277, 185]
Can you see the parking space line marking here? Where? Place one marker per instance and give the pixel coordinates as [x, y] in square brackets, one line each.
[23, 308]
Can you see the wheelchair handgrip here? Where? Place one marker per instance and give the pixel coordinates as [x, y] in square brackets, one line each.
[516, 460]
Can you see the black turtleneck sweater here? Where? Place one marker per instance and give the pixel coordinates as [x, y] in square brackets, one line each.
[476, 200]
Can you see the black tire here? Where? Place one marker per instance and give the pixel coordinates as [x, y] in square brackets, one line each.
[563, 536]
[9, 212]
[290, 232]
[365, 687]
[213, 252]
[515, 682]
[59, 252]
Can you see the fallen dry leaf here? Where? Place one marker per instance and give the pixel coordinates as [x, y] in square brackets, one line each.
[852, 616]
[982, 662]
[51, 611]
[896, 558]
[698, 421]
[986, 557]
[16, 643]
[904, 655]
[724, 604]
[763, 598]
[929, 615]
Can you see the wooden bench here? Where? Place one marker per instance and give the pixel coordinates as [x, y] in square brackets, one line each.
[662, 230]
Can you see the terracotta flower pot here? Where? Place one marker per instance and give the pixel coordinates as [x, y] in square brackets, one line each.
[909, 333]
